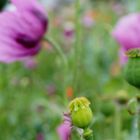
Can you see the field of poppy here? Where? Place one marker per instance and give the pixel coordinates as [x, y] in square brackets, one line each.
[69, 70]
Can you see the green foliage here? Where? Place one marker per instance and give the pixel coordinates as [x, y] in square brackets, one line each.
[33, 101]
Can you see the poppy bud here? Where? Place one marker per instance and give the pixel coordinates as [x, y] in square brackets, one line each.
[132, 68]
[81, 113]
[122, 97]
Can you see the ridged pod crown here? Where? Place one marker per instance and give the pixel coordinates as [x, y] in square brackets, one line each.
[80, 111]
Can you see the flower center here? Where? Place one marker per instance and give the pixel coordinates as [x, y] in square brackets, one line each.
[26, 41]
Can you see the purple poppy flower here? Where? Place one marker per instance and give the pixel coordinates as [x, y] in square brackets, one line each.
[64, 130]
[21, 30]
[127, 32]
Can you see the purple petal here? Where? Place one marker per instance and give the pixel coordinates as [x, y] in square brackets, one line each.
[64, 130]
[21, 31]
[127, 31]
[123, 58]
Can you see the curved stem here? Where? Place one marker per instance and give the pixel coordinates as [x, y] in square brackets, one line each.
[63, 57]
[57, 48]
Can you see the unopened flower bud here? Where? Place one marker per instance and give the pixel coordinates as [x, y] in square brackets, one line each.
[81, 113]
[122, 97]
[132, 68]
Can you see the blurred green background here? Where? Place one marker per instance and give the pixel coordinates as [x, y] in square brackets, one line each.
[34, 95]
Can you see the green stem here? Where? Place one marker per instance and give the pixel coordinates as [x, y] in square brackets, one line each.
[136, 123]
[77, 48]
[58, 49]
[63, 57]
[3, 78]
[133, 108]
[88, 134]
[89, 138]
[118, 123]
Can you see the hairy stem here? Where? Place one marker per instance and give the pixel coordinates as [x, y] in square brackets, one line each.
[77, 47]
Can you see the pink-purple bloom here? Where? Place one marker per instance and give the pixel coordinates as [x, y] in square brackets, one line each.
[127, 31]
[21, 30]
[30, 63]
[40, 136]
[127, 34]
[88, 21]
[64, 130]
[69, 30]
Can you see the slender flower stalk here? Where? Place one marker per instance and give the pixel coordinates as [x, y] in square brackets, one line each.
[136, 120]
[58, 49]
[3, 75]
[63, 57]
[118, 123]
[77, 50]
[136, 126]
[88, 134]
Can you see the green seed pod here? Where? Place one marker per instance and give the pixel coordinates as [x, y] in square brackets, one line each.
[2, 3]
[132, 68]
[81, 113]
[138, 98]
[107, 109]
[122, 97]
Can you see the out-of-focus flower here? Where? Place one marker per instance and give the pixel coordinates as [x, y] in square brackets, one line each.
[115, 69]
[118, 8]
[127, 32]
[69, 92]
[64, 130]
[30, 63]
[21, 30]
[25, 81]
[69, 30]
[50, 4]
[40, 136]
[88, 19]
[51, 89]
